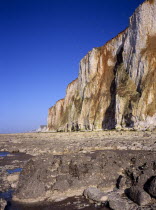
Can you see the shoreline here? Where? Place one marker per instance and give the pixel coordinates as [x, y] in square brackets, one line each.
[63, 143]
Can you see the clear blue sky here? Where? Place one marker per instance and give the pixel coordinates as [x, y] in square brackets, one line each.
[41, 44]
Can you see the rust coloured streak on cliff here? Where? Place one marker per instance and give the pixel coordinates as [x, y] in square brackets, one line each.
[116, 83]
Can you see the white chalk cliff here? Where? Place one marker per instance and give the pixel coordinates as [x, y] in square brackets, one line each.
[116, 85]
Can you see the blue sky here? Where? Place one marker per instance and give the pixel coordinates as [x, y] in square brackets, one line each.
[41, 44]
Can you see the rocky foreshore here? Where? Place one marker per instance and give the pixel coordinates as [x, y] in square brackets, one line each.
[112, 168]
[103, 177]
[71, 142]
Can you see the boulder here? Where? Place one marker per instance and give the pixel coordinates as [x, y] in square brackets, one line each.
[118, 202]
[152, 187]
[93, 193]
[138, 195]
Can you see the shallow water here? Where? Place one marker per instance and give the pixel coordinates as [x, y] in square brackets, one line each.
[11, 163]
[6, 195]
[73, 203]
[3, 154]
[11, 171]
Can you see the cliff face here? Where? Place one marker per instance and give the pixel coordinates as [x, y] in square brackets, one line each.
[116, 86]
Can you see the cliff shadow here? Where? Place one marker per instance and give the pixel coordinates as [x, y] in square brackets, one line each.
[109, 121]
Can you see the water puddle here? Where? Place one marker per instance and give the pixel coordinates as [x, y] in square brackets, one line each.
[11, 163]
[11, 171]
[6, 195]
[4, 154]
[18, 158]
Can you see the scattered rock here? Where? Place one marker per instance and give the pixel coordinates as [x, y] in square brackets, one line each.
[146, 135]
[92, 193]
[13, 179]
[138, 195]
[59, 143]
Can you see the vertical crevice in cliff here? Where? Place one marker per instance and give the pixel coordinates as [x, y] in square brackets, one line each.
[127, 97]
[109, 121]
[114, 89]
